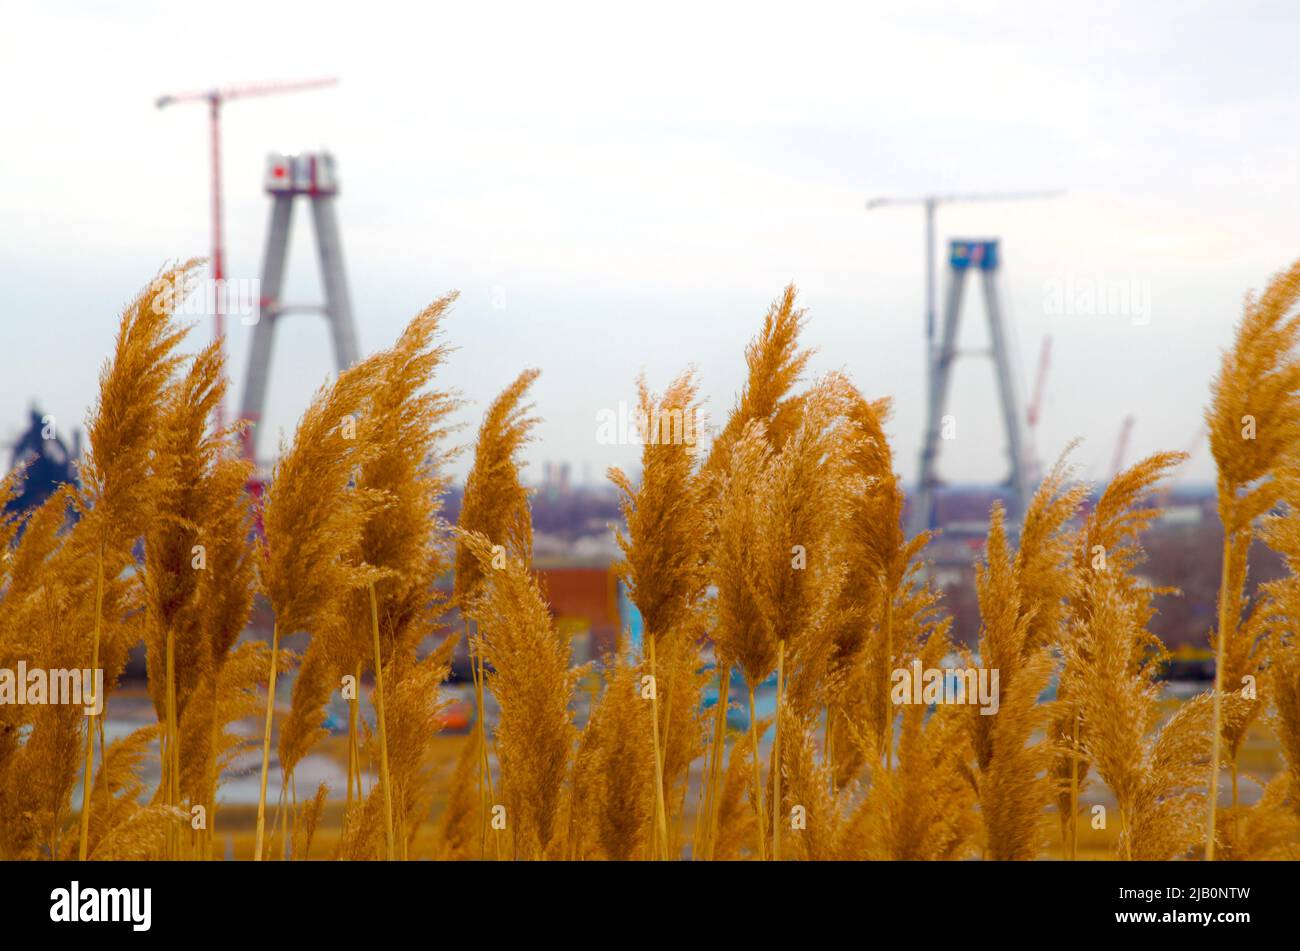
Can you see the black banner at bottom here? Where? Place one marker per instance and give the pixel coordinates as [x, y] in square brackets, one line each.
[227, 901]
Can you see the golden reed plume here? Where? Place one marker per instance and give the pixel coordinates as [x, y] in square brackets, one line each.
[1254, 425]
[529, 674]
[663, 567]
[780, 548]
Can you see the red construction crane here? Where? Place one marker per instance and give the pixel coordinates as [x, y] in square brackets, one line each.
[1175, 473]
[1034, 412]
[214, 98]
[1036, 402]
[1121, 447]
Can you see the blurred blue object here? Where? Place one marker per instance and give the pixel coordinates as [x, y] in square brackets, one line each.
[630, 618]
[982, 255]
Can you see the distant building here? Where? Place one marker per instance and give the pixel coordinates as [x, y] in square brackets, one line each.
[1182, 514]
[48, 460]
[556, 480]
[585, 604]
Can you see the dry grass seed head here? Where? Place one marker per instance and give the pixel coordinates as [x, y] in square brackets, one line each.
[1259, 378]
[495, 503]
[313, 513]
[533, 682]
[663, 547]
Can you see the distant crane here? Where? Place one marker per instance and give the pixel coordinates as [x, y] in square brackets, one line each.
[983, 258]
[1034, 412]
[291, 179]
[1176, 473]
[1121, 447]
[931, 204]
[214, 98]
[1197, 441]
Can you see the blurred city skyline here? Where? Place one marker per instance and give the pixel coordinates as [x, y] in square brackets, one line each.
[639, 201]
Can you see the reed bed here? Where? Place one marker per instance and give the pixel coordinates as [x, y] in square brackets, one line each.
[777, 550]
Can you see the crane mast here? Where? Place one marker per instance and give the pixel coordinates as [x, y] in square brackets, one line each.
[1034, 411]
[215, 98]
[930, 204]
[1121, 447]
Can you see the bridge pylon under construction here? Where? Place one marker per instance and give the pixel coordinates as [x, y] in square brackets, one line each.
[966, 256]
[310, 176]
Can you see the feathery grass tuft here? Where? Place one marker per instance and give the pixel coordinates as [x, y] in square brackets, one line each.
[1254, 424]
[529, 673]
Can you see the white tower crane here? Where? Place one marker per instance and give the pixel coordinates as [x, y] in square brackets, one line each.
[931, 205]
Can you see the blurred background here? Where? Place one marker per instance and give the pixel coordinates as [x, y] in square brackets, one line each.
[616, 190]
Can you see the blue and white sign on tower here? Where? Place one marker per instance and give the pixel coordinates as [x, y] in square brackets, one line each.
[982, 255]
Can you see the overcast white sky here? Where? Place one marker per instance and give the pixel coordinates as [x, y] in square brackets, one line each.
[639, 181]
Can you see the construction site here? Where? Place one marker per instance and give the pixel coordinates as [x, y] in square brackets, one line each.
[575, 553]
[754, 436]
[575, 520]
